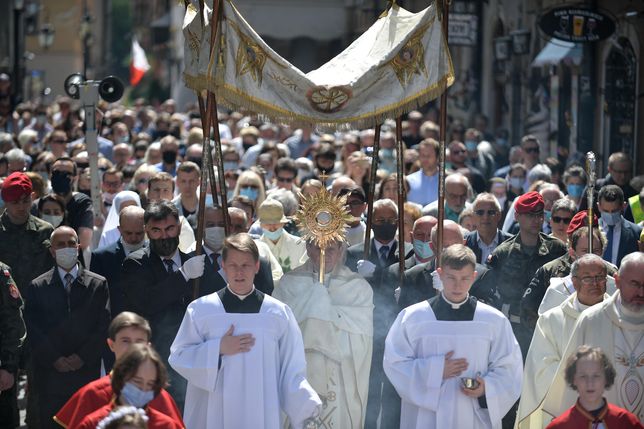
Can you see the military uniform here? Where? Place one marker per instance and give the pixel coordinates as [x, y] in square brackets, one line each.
[25, 248]
[12, 334]
[533, 296]
[512, 268]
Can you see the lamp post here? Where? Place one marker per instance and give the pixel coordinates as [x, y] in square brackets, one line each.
[86, 37]
[18, 48]
[46, 36]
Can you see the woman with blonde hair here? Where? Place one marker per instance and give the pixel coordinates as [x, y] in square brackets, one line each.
[251, 185]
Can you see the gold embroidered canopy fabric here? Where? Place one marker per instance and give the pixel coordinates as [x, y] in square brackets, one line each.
[401, 62]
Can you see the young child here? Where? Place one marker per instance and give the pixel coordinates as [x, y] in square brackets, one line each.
[589, 372]
[125, 330]
[125, 417]
[138, 377]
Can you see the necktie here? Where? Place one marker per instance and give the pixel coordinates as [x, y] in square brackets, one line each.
[69, 279]
[214, 258]
[384, 253]
[608, 254]
[169, 265]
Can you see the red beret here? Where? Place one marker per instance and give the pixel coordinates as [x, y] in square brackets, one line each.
[15, 186]
[530, 202]
[579, 220]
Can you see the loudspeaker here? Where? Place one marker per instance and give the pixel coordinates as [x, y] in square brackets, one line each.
[72, 83]
[111, 89]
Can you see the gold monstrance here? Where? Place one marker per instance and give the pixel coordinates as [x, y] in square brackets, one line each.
[323, 218]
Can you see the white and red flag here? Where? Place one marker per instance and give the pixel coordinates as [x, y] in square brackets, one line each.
[139, 64]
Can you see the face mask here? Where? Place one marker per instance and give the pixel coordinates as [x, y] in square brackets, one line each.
[197, 161]
[575, 190]
[451, 214]
[108, 198]
[251, 193]
[547, 214]
[422, 249]
[129, 248]
[214, 238]
[41, 119]
[387, 153]
[471, 145]
[61, 183]
[502, 142]
[67, 257]
[611, 219]
[169, 157]
[136, 397]
[273, 235]
[54, 220]
[164, 246]
[125, 139]
[516, 182]
[384, 232]
[230, 165]
[247, 146]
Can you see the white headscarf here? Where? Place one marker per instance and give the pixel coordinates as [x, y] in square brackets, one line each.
[110, 229]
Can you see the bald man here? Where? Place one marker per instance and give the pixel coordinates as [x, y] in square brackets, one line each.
[67, 314]
[418, 282]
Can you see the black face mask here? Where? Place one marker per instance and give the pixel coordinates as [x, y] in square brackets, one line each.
[196, 161]
[247, 146]
[384, 232]
[164, 246]
[61, 182]
[169, 157]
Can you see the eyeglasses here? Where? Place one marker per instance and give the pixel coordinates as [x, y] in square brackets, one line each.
[58, 141]
[591, 280]
[484, 212]
[354, 203]
[557, 219]
[531, 150]
[142, 181]
[457, 152]
[285, 179]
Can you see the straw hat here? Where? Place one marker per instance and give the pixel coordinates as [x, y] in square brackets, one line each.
[271, 211]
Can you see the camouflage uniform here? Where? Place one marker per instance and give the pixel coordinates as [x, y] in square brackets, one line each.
[511, 269]
[25, 248]
[12, 334]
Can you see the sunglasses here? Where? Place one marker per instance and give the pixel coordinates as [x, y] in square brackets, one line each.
[557, 219]
[531, 150]
[484, 212]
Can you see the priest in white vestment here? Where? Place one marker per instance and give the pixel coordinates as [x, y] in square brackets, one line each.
[561, 288]
[242, 354]
[617, 326]
[437, 345]
[551, 334]
[336, 320]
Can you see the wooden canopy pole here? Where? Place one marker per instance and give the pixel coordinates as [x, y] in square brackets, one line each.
[443, 137]
[400, 179]
[371, 191]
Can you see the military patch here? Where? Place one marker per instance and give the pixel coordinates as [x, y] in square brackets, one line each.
[13, 291]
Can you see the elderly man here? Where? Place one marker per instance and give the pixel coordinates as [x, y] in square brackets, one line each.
[617, 326]
[551, 335]
[232, 341]
[421, 283]
[487, 236]
[457, 188]
[620, 171]
[433, 344]
[336, 320]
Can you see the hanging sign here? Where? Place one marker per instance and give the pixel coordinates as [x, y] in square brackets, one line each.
[574, 24]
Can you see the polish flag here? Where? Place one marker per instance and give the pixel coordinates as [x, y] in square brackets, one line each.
[139, 64]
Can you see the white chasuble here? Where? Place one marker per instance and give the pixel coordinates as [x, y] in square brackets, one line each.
[337, 327]
[245, 390]
[414, 360]
[603, 325]
[561, 288]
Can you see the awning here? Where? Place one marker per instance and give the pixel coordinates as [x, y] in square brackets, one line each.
[557, 51]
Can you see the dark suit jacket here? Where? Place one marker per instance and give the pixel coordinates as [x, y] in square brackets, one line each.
[106, 261]
[628, 238]
[419, 285]
[472, 242]
[59, 325]
[212, 281]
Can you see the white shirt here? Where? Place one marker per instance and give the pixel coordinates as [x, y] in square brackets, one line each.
[62, 273]
[176, 258]
[487, 249]
[391, 244]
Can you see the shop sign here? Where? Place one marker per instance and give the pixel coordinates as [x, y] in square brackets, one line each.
[574, 24]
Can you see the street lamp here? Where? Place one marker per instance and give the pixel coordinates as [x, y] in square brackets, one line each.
[86, 36]
[46, 36]
[520, 42]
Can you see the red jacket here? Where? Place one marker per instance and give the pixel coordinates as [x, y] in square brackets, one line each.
[157, 419]
[611, 416]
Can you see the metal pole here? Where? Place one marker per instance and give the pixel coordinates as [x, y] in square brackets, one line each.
[590, 172]
[89, 97]
[371, 191]
[441, 154]
[401, 199]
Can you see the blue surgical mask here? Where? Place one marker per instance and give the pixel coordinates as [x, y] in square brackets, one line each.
[230, 194]
[516, 182]
[230, 165]
[575, 190]
[611, 219]
[251, 193]
[132, 395]
[387, 153]
[209, 200]
[422, 249]
[547, 214]
[502, 142]
[273, 235]
[471, 145]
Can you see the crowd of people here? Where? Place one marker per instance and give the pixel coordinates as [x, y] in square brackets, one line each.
[118, 323]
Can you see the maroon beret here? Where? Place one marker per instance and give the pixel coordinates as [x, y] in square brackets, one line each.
[15, 186]
[530, 202]
[579, 220]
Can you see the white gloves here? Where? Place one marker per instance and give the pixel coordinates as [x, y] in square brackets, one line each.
[436, 281]
[397, 294]
[366, 268]
[193, 267]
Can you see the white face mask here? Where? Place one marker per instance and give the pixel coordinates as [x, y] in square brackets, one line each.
[67, 257]
[54, 220]
[214, 238]
[129, 248]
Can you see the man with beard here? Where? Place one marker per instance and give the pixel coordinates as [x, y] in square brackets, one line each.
[156, 282]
